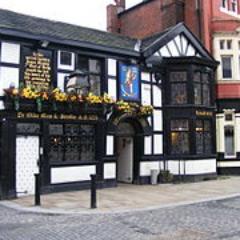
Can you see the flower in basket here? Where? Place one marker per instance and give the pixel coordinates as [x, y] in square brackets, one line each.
[123, 106]
[93, 99]
[29, 93]
[58, 95]
[107, 99]
[145, 110]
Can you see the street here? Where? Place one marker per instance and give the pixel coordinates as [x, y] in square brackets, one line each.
[209, 220]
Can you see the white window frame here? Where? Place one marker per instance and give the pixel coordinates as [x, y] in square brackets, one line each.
[222, 56]
[64, 66]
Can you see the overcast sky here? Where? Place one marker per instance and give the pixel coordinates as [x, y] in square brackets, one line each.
[89, 13]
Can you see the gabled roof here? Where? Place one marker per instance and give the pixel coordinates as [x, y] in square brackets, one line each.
[12, 23]
[178, 38]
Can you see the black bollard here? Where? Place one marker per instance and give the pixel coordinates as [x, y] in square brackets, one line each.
[37, 189]
[93, 192]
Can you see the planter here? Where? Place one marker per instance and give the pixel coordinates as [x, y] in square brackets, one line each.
[165, 176]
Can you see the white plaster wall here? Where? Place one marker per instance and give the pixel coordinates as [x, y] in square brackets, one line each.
[228, 164]
[148, 145]
[112, 88]
[237, 132]
[157, 96]
[60, 80]
[8, 76]
[192, 167]
[109, 170]
[10, 52]
[146, 167]
[71, 174]
[146, 76]
[157, 120]
[112, 67]
[146, 94]
[109, 145]
[158, 144]
[220, 132]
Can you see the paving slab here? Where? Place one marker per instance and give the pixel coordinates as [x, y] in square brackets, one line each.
[128, 197]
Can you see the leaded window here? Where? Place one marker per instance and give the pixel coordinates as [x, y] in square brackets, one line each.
[71, 143]
[203, 137]
[201, 89]
[180, 137]
[92, 67]
[178, 81]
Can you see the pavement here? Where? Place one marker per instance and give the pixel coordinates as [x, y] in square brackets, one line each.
[129, 198]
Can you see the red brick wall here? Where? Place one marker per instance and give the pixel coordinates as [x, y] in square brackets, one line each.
[142, 21]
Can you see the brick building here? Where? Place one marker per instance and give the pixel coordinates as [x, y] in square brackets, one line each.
[216, 23]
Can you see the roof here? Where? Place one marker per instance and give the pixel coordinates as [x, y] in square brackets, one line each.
[62, 31]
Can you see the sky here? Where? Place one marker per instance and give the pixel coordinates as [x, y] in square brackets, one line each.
[88, 13]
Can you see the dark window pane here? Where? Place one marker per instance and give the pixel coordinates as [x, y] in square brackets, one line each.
[199, 142]
[222, 42]
[229, 141]
[56, 129]
[179, 93]
[197, 94]
[205, 77]
[228, 117]
[206, 95]
[66, 58]
[197, 77]
[56, 152]
[178, 77]
[95, 84]
[179, 143]
[28, 128]
[94, 66]
[207, 142]
[179, 125]
[227, 67]
[82, 63]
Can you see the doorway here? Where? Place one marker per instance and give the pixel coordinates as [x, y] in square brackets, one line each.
[27, 157]
[125, 152]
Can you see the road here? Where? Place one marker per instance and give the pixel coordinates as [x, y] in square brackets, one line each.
[203, 221]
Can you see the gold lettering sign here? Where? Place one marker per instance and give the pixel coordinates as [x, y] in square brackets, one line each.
[37, 72]
[32, 115]
[204, 114]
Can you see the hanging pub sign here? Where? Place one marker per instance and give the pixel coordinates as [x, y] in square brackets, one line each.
[129, 82]
[37, 71]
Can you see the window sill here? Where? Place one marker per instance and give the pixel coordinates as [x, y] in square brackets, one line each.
[79, 163]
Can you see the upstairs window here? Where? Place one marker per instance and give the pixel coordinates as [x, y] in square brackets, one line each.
[224, 3]
[234, 5]
[91, 67]
[229, 44]
[178, 81]
[66, 60]
[201, 89]
[226, 66]
[222, 44]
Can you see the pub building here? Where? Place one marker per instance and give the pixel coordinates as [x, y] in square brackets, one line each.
[66, 143]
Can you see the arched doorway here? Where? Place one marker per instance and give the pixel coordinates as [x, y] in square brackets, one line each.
[125, 152]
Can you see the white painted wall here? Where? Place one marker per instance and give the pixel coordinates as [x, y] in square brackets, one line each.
[148, 145]
[109, 145]
[157, 120]
[146, 94]
[228, 164]
[60, 80]
[8, 76]
[158, 144]
[112, 67]
[220, 132]
[109, 170]
[192, 167]
[146, 167]
[146, 76]
[71, 174]
[112, 88]
[10, 52]
[157, 96]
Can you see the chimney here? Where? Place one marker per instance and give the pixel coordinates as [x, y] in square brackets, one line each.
[113, 21]
[121, 5]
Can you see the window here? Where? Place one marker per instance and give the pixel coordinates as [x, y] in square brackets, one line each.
[203, 137]
[226, 66]
[228, 117]
[201, 85]
[178, 81]
[234, 5]
[222, 44]
[179, 137]
[92, 67]
[229, 44]
[224, 3]
[71, 143]
[229, 141]
[66, 60]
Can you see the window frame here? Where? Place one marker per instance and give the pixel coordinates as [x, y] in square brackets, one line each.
[231, 66]
[66, 66]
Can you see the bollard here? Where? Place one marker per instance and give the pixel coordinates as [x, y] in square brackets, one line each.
[93, 192]
[37, 189]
